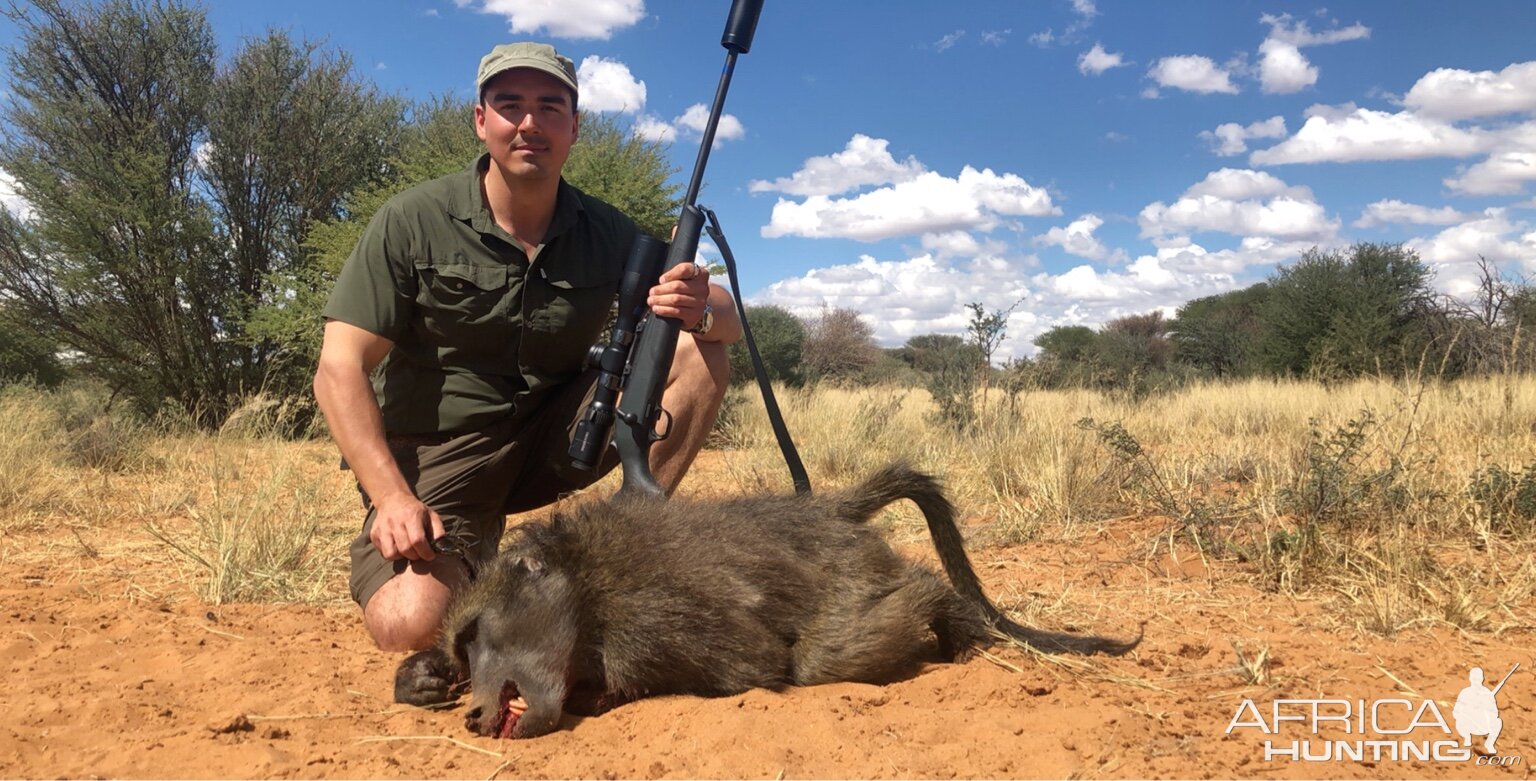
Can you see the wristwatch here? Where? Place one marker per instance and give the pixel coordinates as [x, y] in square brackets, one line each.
[706, 322]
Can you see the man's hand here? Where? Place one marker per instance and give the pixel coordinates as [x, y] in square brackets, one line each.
[404, 528]
[681, 293]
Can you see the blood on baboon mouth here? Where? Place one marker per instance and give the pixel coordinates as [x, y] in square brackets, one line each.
[506, 718]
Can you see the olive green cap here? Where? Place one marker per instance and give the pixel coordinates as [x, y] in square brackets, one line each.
[526, 54]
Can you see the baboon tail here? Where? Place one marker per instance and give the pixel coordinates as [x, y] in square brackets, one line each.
[901, 481]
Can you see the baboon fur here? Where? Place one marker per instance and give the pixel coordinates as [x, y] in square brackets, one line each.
[640, 596]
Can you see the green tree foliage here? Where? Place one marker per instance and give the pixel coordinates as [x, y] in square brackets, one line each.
[1219, 334]
[839, 346]
[1066, 358]
[1338, 314]
[780, 338]
[949, 365]
[1135, 344]
[1066, 343]
[944, 354]
[25, 356]
[1133, 353]
[629, 172]
[166, 190]
[291, 131]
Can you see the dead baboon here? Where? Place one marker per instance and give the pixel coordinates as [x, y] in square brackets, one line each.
[638, 597]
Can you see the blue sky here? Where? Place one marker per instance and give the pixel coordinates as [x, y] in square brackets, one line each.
[1077, 160]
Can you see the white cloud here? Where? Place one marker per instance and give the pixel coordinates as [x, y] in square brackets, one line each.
[11, 198]
[1183, 255]
[1283, 69]
[863, 162]
[654, 129]
[1393, 211]
[903, 298]
[565, 19]
[1504, 173]
[1449, 93]
[948, 41]
[1299, 34]
[1086, 284]
[1453, 253]
[1077, 239]
[928, 203]
[607, 85]
[996, 37]
[928, 294]
[1043, 38]
[1095, 61]
[1241, 184]
[1192, 73]
[1350, 134]
[1233, 201]
[690, 123]
[961, 244]
[697, 117]
[1232, 139]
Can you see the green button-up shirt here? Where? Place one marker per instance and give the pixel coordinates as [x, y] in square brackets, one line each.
[480, 329]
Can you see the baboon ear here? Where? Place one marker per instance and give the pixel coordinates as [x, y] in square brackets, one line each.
[529, 564]
[463, 638]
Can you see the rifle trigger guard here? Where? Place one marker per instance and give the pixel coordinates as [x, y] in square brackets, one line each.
[657, 436]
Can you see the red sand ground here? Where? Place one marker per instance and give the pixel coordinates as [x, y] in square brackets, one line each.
[108, 678]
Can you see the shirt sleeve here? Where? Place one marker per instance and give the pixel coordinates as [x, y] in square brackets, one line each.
[376, 289]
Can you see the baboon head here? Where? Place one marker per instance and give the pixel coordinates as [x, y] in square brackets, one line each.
[515, 631]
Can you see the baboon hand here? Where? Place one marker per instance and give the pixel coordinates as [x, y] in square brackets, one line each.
[426, 678]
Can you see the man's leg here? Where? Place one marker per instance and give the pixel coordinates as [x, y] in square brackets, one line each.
[701, 372]
[404, 614]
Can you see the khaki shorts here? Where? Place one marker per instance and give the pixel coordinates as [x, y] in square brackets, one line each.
[473, 481]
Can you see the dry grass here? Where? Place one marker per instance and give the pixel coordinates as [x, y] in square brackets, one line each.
[240, 515]
[1390, 496]
[1400, 502]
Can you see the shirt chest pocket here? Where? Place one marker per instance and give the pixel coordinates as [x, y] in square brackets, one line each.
[567, 307]
[462, 299]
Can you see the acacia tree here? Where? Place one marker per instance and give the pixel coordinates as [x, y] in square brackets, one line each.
[780, 338]
[291, 131]
[839, 345]
[1218, 334]
[986, 331]
[107, 106]
[165, 191]
[1347, 314]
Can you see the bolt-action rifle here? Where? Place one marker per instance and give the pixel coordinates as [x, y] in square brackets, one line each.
[634, 363]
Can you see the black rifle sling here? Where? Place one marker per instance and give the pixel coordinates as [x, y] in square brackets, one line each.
[797, 472]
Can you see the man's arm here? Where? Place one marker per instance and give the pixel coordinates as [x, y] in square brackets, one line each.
[403, 527]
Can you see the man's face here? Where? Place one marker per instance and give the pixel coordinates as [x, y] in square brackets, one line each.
[527, 122]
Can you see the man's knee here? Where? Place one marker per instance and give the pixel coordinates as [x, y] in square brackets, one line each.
[406, 612]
